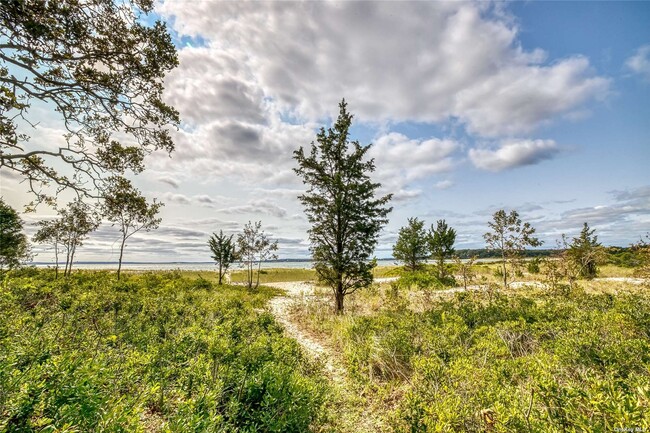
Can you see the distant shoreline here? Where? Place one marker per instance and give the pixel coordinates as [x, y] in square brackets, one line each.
[200, 266]
[179, 263]
[481, 254]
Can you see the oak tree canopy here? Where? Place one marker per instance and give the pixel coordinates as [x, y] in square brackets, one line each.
[99, 66]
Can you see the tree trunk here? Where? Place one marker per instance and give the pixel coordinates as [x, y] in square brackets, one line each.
[74, 247]
[67, 260]
[220, 273]
[339, 295]
[119, 264]
[441, 267]
[339, 302]
[249, 275]
[259, 267]
[505, 273]
[56, 261]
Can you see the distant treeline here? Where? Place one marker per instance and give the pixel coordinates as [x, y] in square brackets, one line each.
[619, 256]
[483, 253]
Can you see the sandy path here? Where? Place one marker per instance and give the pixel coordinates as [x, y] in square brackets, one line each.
[635, 281]
[365, 417]
[296, 291]
[368, 418]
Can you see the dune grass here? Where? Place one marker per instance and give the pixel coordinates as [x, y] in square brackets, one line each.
[504, 361]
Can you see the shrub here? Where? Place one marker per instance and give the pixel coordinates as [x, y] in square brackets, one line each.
[93, 354]
[533, 265]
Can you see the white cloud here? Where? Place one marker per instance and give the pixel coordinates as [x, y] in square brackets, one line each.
[520, 97]
[511, 154]
[197, 200]
[396, 61]
[283, 193]
[176, 198]
[443, 184]
[270, 73]
[400, 161]
[639, 63]
[405, 195]
[212, 84]
[262, 206]
[169, 181]
[414, 159]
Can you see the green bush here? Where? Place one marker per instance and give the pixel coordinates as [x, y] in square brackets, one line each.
[419, 280]
[88, 353]
[510, 363]
[533, 265]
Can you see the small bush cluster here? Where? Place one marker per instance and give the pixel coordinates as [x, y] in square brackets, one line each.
[152, 352]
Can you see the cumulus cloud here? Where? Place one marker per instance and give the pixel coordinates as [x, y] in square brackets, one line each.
[269, 74]
[514, 153]
[396, 154]
[397, 61]
[639, 63]
[169, 181]
[520, 97]
[443, 184]
[177, 198]
[263, 206]
[406, 195]
[401, 160]
[213, 84]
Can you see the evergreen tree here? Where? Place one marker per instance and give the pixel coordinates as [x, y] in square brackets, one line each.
[441, 245]
[411, 247]
[585, 252]
[341, 206]
[223, 252]
[14, 248]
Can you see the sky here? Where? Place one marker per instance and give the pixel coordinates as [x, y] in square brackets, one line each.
[538, 107]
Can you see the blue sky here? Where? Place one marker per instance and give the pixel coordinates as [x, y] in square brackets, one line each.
[541, 107]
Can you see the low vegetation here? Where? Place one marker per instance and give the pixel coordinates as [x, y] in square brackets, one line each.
[174, 351]
[152, 352]
[527, 359]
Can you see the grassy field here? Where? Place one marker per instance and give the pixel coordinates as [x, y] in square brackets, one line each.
[274, 275]
[487, 270]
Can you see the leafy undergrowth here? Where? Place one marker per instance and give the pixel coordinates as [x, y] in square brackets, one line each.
[475, 362]
[153, 352]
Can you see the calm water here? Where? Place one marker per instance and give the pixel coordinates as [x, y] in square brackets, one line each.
[184, 266]
[199, 266]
